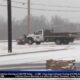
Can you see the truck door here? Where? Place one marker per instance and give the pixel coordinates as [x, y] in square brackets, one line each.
[39, 35]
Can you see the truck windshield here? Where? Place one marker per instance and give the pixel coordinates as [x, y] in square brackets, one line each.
[38, 32]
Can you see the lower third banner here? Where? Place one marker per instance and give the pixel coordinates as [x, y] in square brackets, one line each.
[39, 74]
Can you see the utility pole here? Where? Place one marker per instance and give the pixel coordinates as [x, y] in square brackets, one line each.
[9, 26]
[29, 18]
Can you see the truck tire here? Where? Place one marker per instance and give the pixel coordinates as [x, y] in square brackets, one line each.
[58, 42]
[38, 43]
[66, 42]
[30, 41]
[72, 40]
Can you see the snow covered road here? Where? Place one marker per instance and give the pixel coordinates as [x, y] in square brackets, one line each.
[31, 53]
[29, 48]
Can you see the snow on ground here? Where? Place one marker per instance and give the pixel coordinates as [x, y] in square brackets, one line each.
[28, 48]
[33, 54]
[67, 52]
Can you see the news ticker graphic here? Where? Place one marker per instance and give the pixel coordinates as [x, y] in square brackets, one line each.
[39, 74]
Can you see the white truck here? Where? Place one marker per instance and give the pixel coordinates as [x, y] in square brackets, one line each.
[49, 36]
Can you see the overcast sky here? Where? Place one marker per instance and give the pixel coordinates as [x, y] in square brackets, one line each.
[19, 14]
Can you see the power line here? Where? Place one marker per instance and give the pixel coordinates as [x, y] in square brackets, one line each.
[17, 2]
[54, 5]
[49, 10]
[13, 6]
[40, 4]
[55, 10]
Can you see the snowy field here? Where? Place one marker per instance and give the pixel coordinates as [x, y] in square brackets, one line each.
[38, 53]
[29, 48]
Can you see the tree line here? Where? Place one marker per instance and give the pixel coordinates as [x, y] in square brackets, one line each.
[19, 28]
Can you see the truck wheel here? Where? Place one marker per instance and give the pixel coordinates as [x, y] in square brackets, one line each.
[65, 42]
[30, 41]
[72, 40]
[58, 42]
[38, 43]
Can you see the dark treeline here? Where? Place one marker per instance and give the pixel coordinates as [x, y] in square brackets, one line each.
[20, 27]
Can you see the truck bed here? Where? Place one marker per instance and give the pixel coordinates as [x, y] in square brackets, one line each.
[61, 34]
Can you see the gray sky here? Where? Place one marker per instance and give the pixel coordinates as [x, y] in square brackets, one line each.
[19, 14]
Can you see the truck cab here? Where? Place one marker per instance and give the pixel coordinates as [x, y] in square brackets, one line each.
[36, 37]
